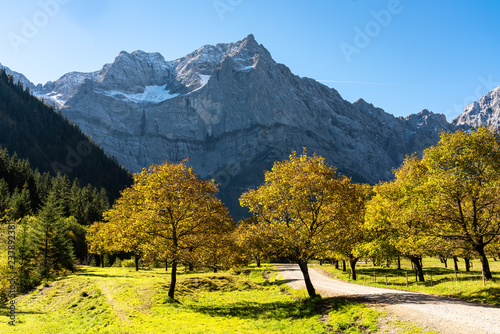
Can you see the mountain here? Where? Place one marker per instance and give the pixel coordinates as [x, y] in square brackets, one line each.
[485, 111]
[33, 131]
[18, 77]
[233, 111]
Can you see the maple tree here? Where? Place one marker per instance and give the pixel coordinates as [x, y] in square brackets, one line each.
[299, 207]
[168, 212]
[448, 201]
[463, 189]
[351, 233]
[251, 238]
[394, 214]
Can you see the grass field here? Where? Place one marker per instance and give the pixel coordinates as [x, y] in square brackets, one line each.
[439, 280]
[120, 300]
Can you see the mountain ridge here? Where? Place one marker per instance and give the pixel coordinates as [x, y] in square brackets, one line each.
[233, 111]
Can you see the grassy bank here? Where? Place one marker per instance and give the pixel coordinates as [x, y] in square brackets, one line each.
[120, 300]
[439, 280]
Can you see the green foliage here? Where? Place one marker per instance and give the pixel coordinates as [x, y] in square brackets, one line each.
[128, 263]
[25, 191]
[106, 260]
[25, 256]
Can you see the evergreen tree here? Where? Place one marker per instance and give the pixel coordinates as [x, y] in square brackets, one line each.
[61, 187]
[25, 256]
[77, 235]
[4, 196]
[53, 246]
[20, 203]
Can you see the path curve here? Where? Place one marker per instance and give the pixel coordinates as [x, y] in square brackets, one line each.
[443, 314]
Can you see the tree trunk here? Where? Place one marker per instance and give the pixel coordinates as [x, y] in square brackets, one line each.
[417, 265]
[353, 262]
[336, 264]
[136, 258]
[102, 260]
[484, 262]
[344, 269]
[467, 264]
[444, 260]
[399, 262]
[257, 259]
[166, 265]
[455, 262]
[307, 279]
[215, 269]
[173, 279]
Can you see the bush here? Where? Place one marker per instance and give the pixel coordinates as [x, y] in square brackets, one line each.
[117, 263]
[128, 263]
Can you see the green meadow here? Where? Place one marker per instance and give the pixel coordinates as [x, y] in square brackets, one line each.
[120, 300]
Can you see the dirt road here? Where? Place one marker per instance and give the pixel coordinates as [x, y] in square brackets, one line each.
[442, 314]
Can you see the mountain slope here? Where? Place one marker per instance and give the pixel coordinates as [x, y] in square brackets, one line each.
[35, 132]
[233, 111]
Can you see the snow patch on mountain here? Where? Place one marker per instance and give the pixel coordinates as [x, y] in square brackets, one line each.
[151, 94]
[204, 79]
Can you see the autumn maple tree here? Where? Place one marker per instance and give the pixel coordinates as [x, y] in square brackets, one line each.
[395, 214]
[299, 206]
[350, 233]
[463, 189]
[449, 198]
[252, 239]
[168, 211]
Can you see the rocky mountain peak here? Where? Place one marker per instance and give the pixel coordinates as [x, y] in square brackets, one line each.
[484, 111]
[427, 118]
[132, 72]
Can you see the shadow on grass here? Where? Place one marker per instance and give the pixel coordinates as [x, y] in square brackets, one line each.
[300, 309]
[486, 295]
[439, 275]
[129, 274]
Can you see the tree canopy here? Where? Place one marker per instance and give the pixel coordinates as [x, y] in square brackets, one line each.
[168, 212]
[300, 206]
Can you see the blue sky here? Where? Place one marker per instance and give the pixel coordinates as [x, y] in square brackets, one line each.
[401, 55]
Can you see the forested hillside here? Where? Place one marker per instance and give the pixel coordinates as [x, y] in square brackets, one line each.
[32, 130]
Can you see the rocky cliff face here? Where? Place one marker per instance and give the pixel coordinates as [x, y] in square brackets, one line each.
[485, 111]
[233, 111]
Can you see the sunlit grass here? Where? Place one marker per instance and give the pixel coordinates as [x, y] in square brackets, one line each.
[120, 300]
[438, 279]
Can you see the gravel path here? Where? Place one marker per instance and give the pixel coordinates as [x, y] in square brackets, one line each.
[442, 314]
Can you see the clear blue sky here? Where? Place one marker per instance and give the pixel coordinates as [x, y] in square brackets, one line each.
[400, 55]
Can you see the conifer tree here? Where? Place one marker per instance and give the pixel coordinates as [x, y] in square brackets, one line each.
[53, 247]
[25, 256]
[4, 196]
[20, 203]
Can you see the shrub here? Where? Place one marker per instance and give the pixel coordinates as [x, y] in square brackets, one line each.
[128, 263]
